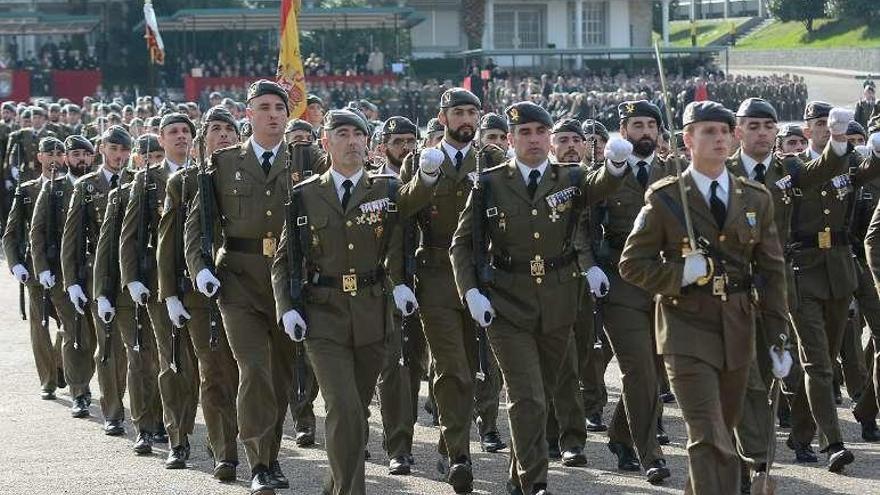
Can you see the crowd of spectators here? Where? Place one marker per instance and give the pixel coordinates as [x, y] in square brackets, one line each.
[50, 56]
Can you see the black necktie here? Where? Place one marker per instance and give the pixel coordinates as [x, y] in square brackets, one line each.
[114, 181]
[642, 174]
[458, 159]
[267, 155]
[760, 170]
[719, 211]
[534, 175]
[347, 185]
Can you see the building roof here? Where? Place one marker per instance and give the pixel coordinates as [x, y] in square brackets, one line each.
[21, 23]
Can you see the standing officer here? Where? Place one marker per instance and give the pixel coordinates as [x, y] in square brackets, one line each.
[436, 197]
[138, 259]
[401, 376]
[629, 310]
[705, 330]
[121, 323]
[531, 207]
[17, 247]
[346, 334]
[865, 106]
[869, 404]
[251, 186]
[190, 310]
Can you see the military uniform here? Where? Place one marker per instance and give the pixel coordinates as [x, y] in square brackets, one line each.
[536, 288]
[346, 320]
[21, 153]
[16, 246]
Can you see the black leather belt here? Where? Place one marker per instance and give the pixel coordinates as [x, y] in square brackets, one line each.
[536, 267]
[821, 240]
[264, 247]
[731, 286]
[349, 282]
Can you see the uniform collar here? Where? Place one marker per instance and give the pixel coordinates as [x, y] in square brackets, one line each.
[452, 150]
[338, 179]
[749, 163]
[634, 160]
[525, 170]
[704, 183]
[259, 150]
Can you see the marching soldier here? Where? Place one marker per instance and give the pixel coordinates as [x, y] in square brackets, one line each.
[531, 207]
[139, 274]
[121, 324]
[21, 147]
[629, 309]
[869, 404]
[17, 247]
[251, 185]
[433, 133]
[791, 139]
[346, 334]
[705, 330]
[299, 131]
[190, 310]
[865, 106]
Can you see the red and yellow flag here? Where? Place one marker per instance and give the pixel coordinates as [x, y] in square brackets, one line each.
[155, 46]
[290, 68]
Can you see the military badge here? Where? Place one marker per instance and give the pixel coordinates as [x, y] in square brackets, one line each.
[392, 124]
[752, 218]
[842, 185]
[513, 114]
[238, 175]
[630, 108]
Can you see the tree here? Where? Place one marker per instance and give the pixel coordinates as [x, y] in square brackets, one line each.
[473, 18]
[657, 12]
[868, 10]
[805, 11]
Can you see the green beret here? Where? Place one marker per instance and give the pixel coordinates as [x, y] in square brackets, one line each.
[855, 128]
[494, 121]
[154, 121]
[524, 112]
[77, 142]
[298, 125]
[639, 108]
[399, 125]
[454, 97]
[338, 118]
[214, 94]
[868, 84]
[116, 134]
[568, 125]
[147, 143]
[366, 104]
[72, 108]
[54, 107]
[434, 125]
[50, 143]
[590, 127]
[267, 87]
[38, 111]
[222, 114]
[8, 105]
[874, 124]
[177, 118]
[311, 98]
[707, 111]
[817, 110]
[758, 108]
[27, 113]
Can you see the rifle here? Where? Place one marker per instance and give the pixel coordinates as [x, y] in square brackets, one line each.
[297, 249]
[144, 234]
[81, 255]
[183, 284]
[52, 252]
[409, 273]
[482, 263]
[23, 247]
[112, 280]
[206, 218]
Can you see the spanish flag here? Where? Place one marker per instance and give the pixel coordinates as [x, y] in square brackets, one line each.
[154, 39]
[290, 68]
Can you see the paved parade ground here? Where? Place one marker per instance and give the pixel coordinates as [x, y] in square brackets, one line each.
[47, 452]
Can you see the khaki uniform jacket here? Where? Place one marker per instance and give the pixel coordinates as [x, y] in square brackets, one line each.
[437, 209]
[138, 263]
[106, 279]
[180, 191]
[25, 155]
[89, 200]
[524, 230]
[342, 243]
[687, 321]
[18, 225]
[829, 272]
[41, 240]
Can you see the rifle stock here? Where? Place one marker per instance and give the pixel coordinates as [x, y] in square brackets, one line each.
[482, 263]
[297, 225]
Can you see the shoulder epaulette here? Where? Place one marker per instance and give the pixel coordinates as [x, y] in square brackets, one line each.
[383, 176]
[495, 168]
[661, 183]
[751, 183]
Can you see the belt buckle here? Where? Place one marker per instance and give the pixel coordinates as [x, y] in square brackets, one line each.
[270, 245]
[536, 267]
[824, 240]
[349, 282]
[719, 286]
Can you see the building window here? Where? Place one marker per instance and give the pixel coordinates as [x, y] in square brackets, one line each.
[594, 19]
[520, 26]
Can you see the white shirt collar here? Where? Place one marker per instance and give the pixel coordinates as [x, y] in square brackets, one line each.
[704, 184]
[174, 167]
[452, 150]
[633, 162]
[338, 179]
[750, 163]
[525, 170]
[259, 150]
[108, 174]
[813, 153]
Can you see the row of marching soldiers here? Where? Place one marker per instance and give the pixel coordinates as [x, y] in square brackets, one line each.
[271, 268]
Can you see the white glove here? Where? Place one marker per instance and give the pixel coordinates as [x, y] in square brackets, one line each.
[875, 143]
[694, 268]
[839, 119]
[598, 281]
[480, 307]
[294, 326]
[207, 283]
[405, 300]
[138, 292]
[14, 173]
[618, 149]
[781, 363]
[106, 312]
[863, 150]
[176, 312]
[430, 160]
[47, 280]
[77, 298]
[9, 185]
[20, 273]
